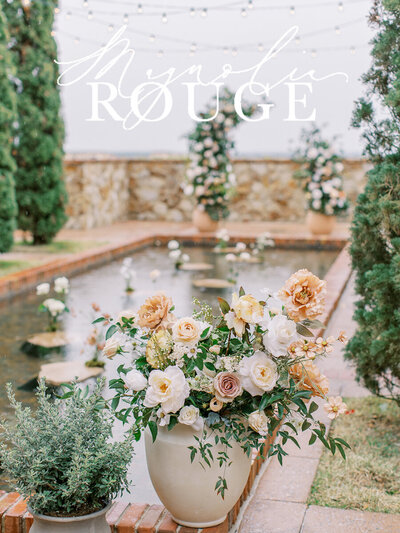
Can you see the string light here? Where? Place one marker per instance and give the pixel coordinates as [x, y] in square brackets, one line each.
[225, 50]
[90, 15]
[313, 53]
[340, 6]
[68, 15]
[126, 18]
[193, 48]
[297, 40]
[192, 12]
[140, 9]
[352, 50]
[160, 53]
[164, 18]
[250, 4]
[76, 40]
[260, 47]
[204, 12]
[292, 10]
[85, 3]
[111, 27]
[152, 38]
[337, 30]
[234, 52]
[244, 12]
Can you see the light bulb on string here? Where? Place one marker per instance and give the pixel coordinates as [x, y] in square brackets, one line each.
[85, 3]
[234, 52]
[126, 18]
[160, 53]
[352, 50]
[192, 12]
[193, 47]
[90, 15]
[76, 40]
[140, 9]
[152, 38]
[260, 47]
[164, 18]
[204, 12]
[111, 27]
[292, 10]
[337, 30]
[340, 6]
[297, 40]
[225, 50]
[68, 15]
[313, 53]
[243, 12]
[250, 4]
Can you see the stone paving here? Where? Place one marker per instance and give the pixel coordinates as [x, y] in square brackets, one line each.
[278, 503]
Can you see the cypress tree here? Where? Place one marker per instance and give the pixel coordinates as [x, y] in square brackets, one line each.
[8, 208]
[375, 248]
[40, 191]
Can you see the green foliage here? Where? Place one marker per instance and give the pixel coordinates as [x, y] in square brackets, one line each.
[210, 177]
[375, 245]
[8, 208]
[40, 191]
[61, 457]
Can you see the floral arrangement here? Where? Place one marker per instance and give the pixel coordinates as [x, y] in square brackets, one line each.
[176, 254]
[321, 175]
[240, 375]
[223, 238]
[263, 242]
[209, 177]
[128, 273]
[54, 307]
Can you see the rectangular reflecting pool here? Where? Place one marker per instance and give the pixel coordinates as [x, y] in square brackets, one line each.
[105, 286]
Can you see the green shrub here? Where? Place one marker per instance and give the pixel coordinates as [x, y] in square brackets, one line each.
[375, 247]
[61, 457]
[8, 208]
[40, 191]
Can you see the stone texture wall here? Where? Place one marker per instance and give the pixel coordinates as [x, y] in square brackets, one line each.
[103, 190]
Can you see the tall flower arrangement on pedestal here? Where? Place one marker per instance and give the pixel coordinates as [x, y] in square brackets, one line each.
[320, 175]
[38, 147]
[209, 177]
[8, 110]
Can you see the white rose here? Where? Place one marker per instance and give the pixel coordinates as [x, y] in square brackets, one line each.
[259, 373]
[187, 330]
[135, 380]
[175, 254]
[281, 333]
[173, 245]
[43, 288]
[258, 421]
[111, 347]
[168, 388]
[55, 307]
[61, 285]
[240, 246]
[190, 416]
[230, 258]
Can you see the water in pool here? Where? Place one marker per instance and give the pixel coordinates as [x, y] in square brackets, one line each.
[105, 286]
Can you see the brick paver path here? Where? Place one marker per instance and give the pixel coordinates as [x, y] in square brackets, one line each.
[278, 504]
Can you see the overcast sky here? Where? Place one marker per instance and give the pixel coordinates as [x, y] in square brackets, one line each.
[327, 34]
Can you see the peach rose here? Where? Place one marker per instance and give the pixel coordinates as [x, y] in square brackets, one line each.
[227, 386]
[308, 377]
[154, 313]
[187, 330]
[303, 295]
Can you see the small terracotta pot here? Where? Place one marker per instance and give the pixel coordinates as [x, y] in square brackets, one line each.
[203, 222]
[94, 522]
[320, 224]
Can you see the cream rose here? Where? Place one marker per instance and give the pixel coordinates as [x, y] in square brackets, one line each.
[281, 333]
[258, 421]
[43, 288]
[189, 415]
[227, 386]
[135, 380]
[258, 373]
[168, 388]
[247, 308]
[187, 330]
[111, 347]
[61, 285]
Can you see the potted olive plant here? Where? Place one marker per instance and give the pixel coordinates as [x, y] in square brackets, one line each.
[62, 460]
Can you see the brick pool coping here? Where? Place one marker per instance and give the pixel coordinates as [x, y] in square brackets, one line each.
[27, 279]
[143, 518]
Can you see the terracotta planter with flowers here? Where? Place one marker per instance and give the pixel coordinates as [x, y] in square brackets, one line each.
[203, 222]
[319, 224]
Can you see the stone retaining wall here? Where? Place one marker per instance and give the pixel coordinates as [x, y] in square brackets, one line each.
[103, 190]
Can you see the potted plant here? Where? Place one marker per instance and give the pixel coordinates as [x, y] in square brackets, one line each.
[320, 175]
[207, 390]
[209, 177]
[62, 460]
